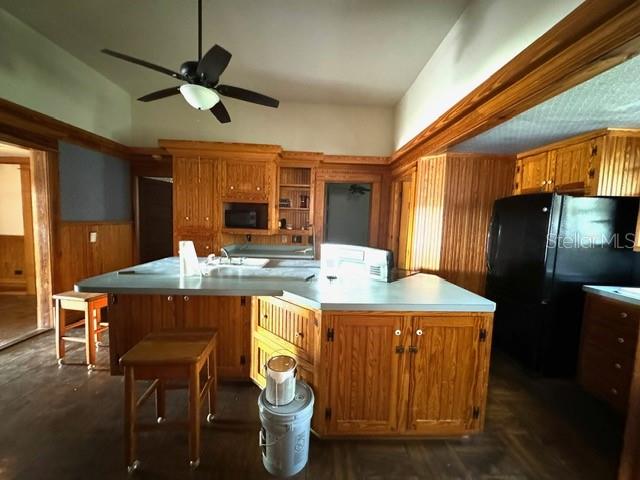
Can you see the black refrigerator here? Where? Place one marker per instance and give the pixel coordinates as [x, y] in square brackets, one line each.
[541, 249]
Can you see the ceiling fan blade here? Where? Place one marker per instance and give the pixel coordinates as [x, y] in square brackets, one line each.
[166, 92]
[247, 95]
[142, 63]
[221, 112]
[214, 63]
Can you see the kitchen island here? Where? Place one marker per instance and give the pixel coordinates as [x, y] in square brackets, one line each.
[407, 358]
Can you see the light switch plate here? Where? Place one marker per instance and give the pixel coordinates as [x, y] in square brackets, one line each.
[93, 237]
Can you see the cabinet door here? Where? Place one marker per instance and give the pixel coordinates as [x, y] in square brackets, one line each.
[185, 183]
[193, 192]
[534, 174]
[230, 316]
[572, 168]
[246, 180]
[366, 374]
[204, 244]
[447, 385]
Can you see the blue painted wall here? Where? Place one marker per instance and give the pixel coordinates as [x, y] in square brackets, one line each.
[93, 186]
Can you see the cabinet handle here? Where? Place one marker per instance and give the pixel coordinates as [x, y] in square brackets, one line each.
[231, 187]
[170, 298]
[185, 298]
[620, 340]
[258, 188]
[186, 218]
[544, 182]
[397, 333]
[549, 182]
[413, 349]
[623, 315]
[617, 366]
[419, 332]
[614, 391]
[399, 349]
[206, 218]
[206, 247]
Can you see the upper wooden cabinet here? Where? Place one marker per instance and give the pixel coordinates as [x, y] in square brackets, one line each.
[605, 162]
[193, 192]
[247, 180]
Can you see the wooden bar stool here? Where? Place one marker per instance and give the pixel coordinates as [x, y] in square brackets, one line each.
[89, 303]
[166, 356]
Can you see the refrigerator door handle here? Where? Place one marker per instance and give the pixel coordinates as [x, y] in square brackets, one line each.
[489, 254]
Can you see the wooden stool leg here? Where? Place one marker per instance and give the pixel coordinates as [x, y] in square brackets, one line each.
[160, 401]
[59, 320]
[89, 335]
[213, 386]
[95, 317]
[194, 417]
[130, 419]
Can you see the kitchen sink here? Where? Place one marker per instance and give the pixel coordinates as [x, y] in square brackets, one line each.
[231, 266]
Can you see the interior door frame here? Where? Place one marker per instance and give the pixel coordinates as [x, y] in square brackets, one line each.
[322, 178]
[43, 169]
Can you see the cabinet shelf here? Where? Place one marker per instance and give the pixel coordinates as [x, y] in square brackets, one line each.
[295, 208]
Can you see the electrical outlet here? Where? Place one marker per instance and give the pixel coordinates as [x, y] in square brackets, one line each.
[93, 237]
[17, 272]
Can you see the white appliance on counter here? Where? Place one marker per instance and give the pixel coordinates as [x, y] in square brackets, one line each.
[352, 261]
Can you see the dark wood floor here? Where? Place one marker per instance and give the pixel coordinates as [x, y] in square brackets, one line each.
[17, 316]
[66, 424]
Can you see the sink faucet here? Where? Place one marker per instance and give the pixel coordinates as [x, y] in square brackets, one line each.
[224, 252]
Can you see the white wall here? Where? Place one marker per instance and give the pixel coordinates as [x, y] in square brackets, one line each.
[333, 129]
[36, 73]
[487, 35]
[10, 200]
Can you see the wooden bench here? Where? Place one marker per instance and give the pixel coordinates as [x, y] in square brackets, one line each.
[165, 357]
[89, 303]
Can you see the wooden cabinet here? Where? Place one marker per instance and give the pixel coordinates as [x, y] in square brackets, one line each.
[533, 173]
[247, 180]
[608, 349]
[204, 244]
[420, 375]
[450, 355]
[193, 197]
[366, 373]
[131, 317]
[604, 162]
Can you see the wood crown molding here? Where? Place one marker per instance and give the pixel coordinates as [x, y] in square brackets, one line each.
[597, 35]
[217, 148]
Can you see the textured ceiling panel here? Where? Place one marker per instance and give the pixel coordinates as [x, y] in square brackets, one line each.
[612, 99]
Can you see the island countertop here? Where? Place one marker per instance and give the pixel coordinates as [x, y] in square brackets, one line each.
[286, 279]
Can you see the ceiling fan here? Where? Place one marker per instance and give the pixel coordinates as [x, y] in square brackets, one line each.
[202, 77]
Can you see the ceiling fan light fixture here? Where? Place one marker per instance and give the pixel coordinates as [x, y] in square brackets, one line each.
[199, 97]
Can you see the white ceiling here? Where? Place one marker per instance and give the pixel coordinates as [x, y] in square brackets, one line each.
[321, 51]
[611, 99]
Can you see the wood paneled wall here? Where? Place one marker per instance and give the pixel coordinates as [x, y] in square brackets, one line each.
[78, 258]
[453, 203]
[12, 260]
[620, 168]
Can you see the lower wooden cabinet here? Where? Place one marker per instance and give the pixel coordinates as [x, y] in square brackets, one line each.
[422, 375]
[131, 317]
[381, 373]
[608, 349]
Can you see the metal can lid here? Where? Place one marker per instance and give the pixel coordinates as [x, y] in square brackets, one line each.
[281, 363]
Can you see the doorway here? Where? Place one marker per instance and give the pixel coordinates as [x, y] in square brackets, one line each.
[155, 218]
[347, 213]
[18, 301]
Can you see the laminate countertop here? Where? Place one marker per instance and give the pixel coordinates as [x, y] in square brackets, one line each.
[622, 294]
[286, 279]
